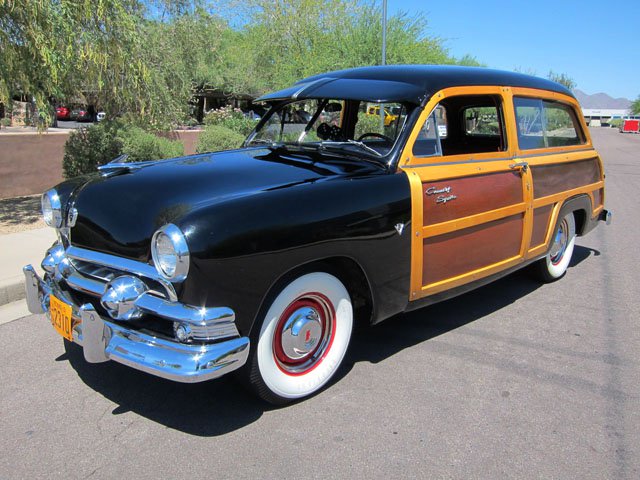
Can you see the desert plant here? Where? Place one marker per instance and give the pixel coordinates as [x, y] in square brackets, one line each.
[216, 137]
[5, 122]
[87, 148]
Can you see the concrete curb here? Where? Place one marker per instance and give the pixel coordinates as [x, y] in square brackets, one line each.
[11, 291]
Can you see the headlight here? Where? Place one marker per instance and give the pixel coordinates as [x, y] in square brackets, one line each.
[51, 208]
[170, 253]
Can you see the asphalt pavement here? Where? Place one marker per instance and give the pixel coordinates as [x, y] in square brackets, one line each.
[513, 380]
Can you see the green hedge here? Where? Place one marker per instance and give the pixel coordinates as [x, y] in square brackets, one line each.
[141, 145]
[216, 137]
[88, 148]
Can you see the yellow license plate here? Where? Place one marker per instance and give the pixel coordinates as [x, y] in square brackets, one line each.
[61, 317]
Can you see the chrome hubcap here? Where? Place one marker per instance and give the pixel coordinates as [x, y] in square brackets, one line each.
[301, 333]
[560, 242]
[304, 334]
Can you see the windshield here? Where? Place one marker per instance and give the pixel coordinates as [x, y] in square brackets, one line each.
[330, 124]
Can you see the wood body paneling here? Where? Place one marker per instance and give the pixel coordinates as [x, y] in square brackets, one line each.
[551, 179]
[541, 217]
[597, 197]
[473, 195]
[463, 251]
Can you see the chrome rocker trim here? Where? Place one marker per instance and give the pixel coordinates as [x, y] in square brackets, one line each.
[104, 340]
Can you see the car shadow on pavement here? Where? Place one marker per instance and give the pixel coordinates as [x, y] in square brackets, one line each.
[221, 406]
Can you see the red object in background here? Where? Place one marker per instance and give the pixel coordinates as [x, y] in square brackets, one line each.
[630, 125]
[62, 113]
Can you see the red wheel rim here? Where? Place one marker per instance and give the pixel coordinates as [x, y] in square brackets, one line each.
[304, 334]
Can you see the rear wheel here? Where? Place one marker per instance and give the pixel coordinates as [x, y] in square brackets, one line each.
[302, 340]
[555, 264]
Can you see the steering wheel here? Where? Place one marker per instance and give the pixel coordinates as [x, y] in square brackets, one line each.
[376, 135]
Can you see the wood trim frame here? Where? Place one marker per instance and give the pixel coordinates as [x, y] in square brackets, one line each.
[408, 159]
[458, 166]
[557, 97]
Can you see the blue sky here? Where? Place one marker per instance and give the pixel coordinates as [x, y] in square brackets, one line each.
[597, 43]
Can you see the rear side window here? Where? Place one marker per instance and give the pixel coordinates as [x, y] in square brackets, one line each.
[546, 124]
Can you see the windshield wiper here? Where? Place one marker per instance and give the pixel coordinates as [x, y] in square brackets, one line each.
[260, 141]
[351, 142]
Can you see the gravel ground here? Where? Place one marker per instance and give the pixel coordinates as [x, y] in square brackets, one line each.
[19, 214]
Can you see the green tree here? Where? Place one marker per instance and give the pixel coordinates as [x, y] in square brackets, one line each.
[562, 79]
[97, 49]
[286, 40]
[635, 106]
[65, 47]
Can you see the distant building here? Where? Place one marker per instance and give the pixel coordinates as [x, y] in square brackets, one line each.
[601, 116]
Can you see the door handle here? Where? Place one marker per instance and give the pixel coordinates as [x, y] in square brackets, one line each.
[521, 165]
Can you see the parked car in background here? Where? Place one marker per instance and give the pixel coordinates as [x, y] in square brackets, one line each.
[630, 125]
[63, 113]
[260, 260]
[84, 115]
[100, 116]
[389, 117]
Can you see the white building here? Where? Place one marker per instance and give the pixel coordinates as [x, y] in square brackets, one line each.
[597, 116]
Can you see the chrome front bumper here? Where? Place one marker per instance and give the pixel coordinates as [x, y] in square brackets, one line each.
[104, 340]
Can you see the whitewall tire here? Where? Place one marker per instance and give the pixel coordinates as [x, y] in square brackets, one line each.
[555, 264]
[303, 338]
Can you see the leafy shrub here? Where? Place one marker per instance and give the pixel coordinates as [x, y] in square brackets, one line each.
[231, 118]
[5, 122]
[615, 122]
[88, 148]
[141, 145]
[216, 137]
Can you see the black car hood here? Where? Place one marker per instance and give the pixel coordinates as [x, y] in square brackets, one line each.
[119, 213]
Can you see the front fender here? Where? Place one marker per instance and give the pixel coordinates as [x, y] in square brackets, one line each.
[240, 248]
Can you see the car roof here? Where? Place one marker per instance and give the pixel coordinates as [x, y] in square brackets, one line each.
[404, 83]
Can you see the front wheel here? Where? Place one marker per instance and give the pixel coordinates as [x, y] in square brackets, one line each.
[555, 264]
[303, 339]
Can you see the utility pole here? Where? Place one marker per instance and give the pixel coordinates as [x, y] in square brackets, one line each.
[384, 54]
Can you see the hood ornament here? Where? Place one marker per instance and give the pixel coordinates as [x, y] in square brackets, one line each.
[120, 165]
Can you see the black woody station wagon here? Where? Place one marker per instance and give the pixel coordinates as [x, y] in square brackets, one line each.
[260, 259]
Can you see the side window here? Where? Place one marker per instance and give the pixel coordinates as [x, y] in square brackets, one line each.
[545, 124]
[562, 127]
[427, 143]
[529, 120]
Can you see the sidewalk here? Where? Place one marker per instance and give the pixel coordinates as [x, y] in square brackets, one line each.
[17, 250]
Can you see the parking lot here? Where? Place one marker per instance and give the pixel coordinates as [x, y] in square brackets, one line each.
[513, 380]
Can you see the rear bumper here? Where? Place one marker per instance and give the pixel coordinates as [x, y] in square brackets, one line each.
[606, 216]
[104, 340]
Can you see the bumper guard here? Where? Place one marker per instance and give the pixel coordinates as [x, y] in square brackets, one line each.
[104, 340]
